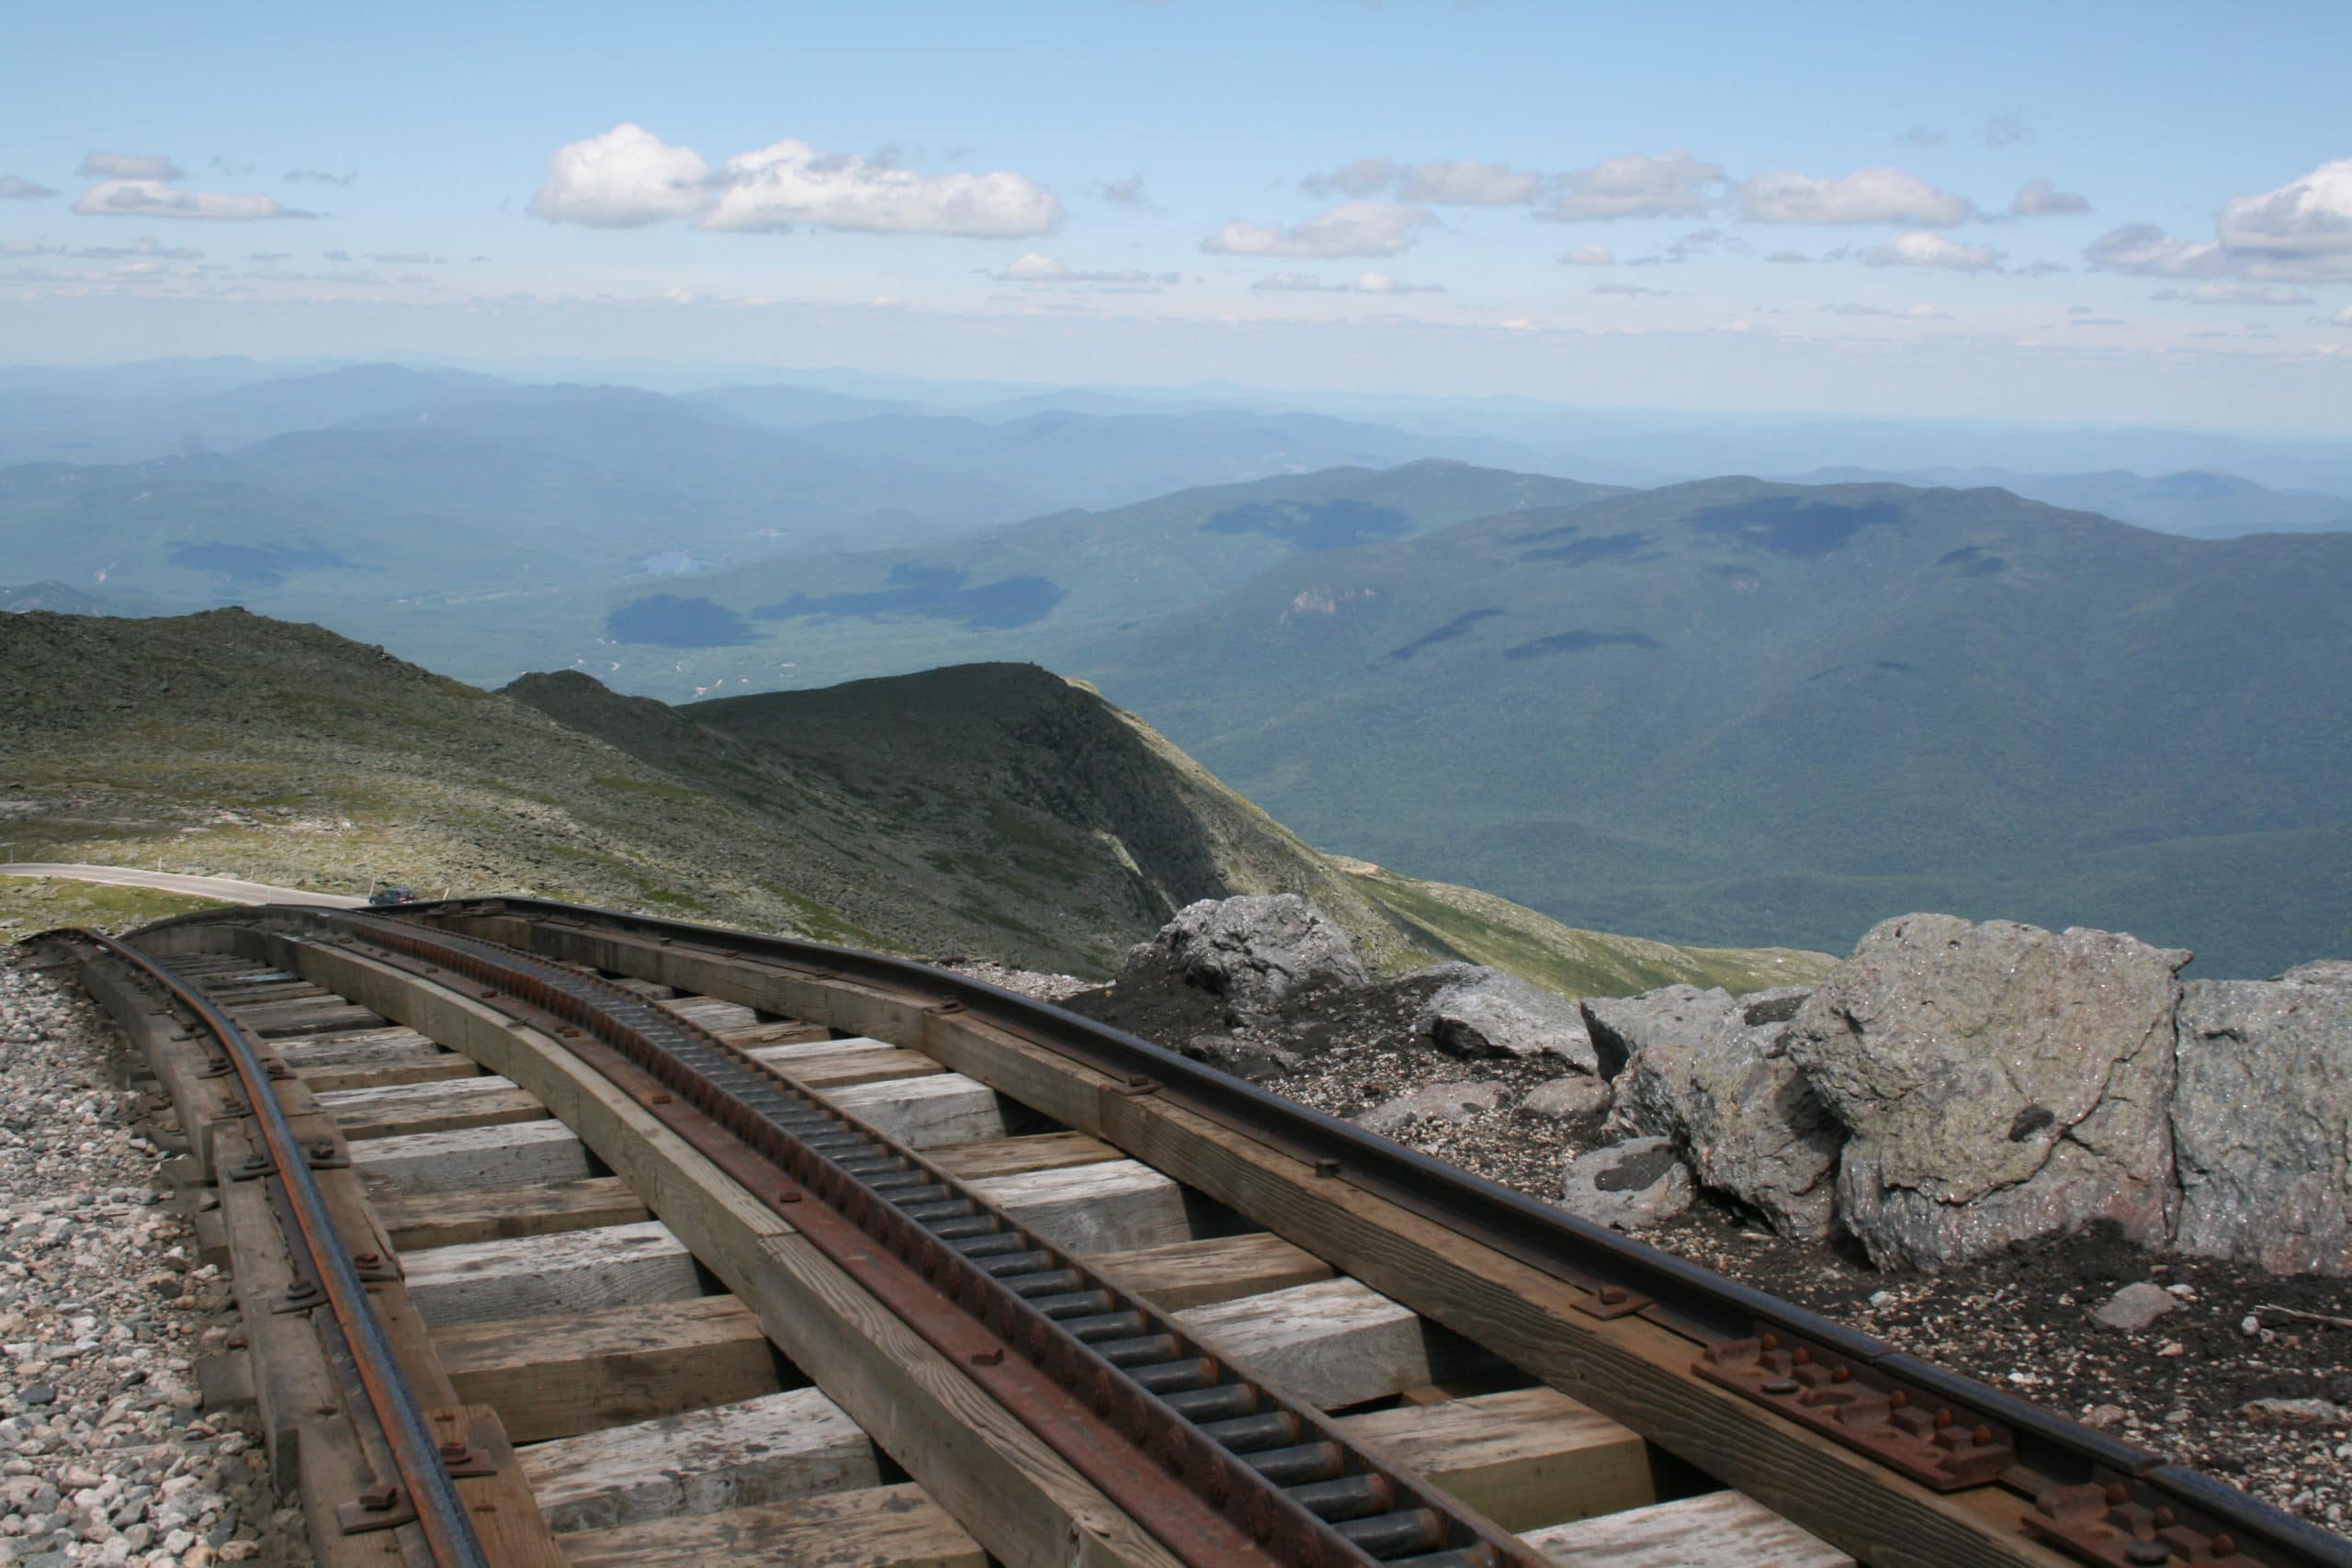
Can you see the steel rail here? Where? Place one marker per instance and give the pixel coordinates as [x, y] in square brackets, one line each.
[1218, 1465]
[425, 1480]
[2053, 1454]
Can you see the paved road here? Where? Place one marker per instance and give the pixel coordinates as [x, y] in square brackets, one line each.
[226, 888]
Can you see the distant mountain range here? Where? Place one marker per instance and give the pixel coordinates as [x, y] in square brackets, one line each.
[1740, 707]
[2197, 504]
[1034, 588]
[1728, 710]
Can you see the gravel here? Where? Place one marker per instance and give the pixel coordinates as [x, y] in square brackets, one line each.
[106, 1453]
[2228, 1383]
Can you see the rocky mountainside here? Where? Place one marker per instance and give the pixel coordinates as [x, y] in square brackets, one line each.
[993, 811]
[1733, 707]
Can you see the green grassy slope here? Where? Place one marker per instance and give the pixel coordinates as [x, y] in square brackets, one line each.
[994, 810]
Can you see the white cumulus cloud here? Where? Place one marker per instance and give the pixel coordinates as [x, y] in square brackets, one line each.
[127, 166]
[1351, 229]
[1877, 195]
[791, 183]
[629, 177]
[2300, 232]
[2342, 317]
[625, 178]
[154, 198]
[1589, 255]
[1637, 185]
[2310, 217]
[2041, 197]
[1923, 247]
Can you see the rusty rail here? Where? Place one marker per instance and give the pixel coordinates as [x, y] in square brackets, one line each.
[1221, 1468]
[325, 1257]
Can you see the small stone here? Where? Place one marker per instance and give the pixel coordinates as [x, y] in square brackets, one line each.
[2296, 1412]
[2134, 1307]
[1570, 1099]
[1436, 1103]
[39, 1394]
[1629, 1186]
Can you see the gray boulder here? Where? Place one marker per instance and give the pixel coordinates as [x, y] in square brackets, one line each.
[1629, 1186]
[1252, 951]
[1486, 1012]
[2262, 1119]
[1999, 1082]
[1435, 1102]
[1569, 1098]
[1738, 1111]
[1621, 1026]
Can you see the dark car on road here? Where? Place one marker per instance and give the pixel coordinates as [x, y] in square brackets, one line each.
[393, 895]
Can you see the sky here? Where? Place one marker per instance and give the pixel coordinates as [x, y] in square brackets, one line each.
[2087, 213]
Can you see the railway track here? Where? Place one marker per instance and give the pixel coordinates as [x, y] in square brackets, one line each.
[563, 1236]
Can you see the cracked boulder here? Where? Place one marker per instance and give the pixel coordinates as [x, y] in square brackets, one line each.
[2262, 1119]
[2000, 1082]
[1711, 1073]
[1252, 951]
[1478, 1011]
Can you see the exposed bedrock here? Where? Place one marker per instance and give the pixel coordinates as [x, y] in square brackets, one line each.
[1252, 951]
[1999, 1082]
[2262, 1119]
[1479, 1011]
[1711, 1072]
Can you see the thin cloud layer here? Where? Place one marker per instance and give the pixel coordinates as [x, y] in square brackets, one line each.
[154, 198]
[2235, 294]
[1440, 182]
[127, 166]
[629, 178]
[1036, 268]
[791, 183]
[1351, 229]
[1363, 283]
[1637, 185]
[1878, 195]
[12, 188]
[1588, 256]
[2041, 197]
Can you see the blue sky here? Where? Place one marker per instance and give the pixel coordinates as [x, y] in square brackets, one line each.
[1172, 192]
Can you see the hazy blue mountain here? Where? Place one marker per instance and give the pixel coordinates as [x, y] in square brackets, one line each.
[203, 540]
[1062, 458]
[1731, 709]
[795, 408]
[1027, 591]
[2197, 504]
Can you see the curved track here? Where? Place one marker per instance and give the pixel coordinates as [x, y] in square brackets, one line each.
[1058, 1396]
